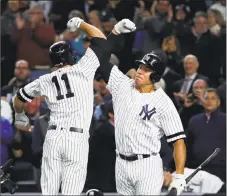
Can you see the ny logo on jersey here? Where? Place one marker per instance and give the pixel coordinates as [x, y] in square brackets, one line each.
[147, 114]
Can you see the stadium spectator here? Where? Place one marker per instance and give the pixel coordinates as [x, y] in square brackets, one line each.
[206, 132]
[214, 26]
[206, 47]
[119, 7]
[107, 19]
[8, 55]
[184, 86]
[171, 46]
[174, 69]
[142, 12]
[6, 111]
[221, 90]
[6, 139]
[103, 90]
[44, 5]
[159, 24]
[33, 39]
[21, 145]
[193, 103]
[93, 18]
[182, 26]
[8, 17]
[220, 5]
[102, 156]
[60, 10]
[20, 79]
[170, 77]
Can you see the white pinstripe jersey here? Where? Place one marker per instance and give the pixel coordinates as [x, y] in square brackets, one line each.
[141, 119]
[68, 92]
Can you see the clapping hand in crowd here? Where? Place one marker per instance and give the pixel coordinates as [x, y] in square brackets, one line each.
[19, 22]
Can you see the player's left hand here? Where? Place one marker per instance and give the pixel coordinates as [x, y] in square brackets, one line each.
[125, 26]
[74, 24]
[21, 119]
[179, 183]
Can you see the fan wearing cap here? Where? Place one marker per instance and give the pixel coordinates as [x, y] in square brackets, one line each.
[143, 115]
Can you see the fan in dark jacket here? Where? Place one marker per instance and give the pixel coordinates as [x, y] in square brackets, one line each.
[183, 87]
[102, 155]
[193, 103]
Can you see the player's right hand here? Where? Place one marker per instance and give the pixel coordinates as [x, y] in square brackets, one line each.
[125, 26]
[178, 183]
[21, 119]
[74, 24]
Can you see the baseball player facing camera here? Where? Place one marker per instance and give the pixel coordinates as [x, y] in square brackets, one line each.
[68, 92]
[143, 114]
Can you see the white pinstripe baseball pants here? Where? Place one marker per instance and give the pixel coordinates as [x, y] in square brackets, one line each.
[140, 177]
[65, 156]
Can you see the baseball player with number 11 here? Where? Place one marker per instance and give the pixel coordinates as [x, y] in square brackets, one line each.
[143, 115]
[69, 95]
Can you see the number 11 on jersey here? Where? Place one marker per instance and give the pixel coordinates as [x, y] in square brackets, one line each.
[69, 94]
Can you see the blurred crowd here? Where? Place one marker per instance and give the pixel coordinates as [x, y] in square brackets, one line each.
[192, 34]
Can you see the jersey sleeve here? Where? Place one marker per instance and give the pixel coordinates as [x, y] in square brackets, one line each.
[96, 54]
[115, 80]
[30, 91]
[171, 123]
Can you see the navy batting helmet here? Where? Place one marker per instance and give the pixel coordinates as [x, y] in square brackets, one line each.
[156, 61]
[61, 54]
[94, 192]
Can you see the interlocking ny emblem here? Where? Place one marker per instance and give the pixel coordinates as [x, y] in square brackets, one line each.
[147, 114]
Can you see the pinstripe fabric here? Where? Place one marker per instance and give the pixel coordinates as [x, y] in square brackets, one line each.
[69, 112]
[64, 159]
[141, 177]
[65, 153]
[141, 120]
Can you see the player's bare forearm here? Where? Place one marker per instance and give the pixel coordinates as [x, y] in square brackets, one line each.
[91, 31]
[18, 105]
[180, 156]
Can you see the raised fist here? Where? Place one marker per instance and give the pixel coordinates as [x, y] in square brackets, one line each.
[74, 24]
[125, 26]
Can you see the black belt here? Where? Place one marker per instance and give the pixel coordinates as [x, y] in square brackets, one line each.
[135, 157]
[72, 129]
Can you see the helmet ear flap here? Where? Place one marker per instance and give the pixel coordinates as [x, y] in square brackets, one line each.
[155, 77]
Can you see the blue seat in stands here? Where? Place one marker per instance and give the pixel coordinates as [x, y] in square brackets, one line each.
[39, 72]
